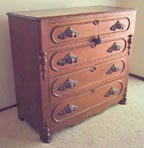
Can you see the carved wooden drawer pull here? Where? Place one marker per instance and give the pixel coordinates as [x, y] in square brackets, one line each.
[114, 68]
[69, 83]
[112, 91]
[114, 47]
[68, 59]
[68, 109]
[116, 26]
[68, 33]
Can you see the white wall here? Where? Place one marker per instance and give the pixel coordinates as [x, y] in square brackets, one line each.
[7, 91]
[137, 54]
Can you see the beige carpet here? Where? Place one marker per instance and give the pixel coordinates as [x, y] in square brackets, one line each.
[118, 127]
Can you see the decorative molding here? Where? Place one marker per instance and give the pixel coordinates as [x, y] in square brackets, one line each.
[129, 43]
[43, 62]
[68, 109]
[69, 83]
[68, 59]
[118, 26]
[68, 33]
[46, 136]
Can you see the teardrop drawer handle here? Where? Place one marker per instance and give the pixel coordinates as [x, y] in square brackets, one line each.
[68, 33]
[69, 83]
[96, 41]
[68, 59]
[113, 68]
[68, 109]
[118, 26]
[114, 47]
[111, 92]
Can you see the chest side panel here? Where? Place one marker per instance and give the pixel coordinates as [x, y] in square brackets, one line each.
[25, 43]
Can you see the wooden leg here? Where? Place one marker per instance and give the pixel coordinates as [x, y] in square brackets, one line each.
[20, 117]
[46, 135]
[123, 101]
[46, 138]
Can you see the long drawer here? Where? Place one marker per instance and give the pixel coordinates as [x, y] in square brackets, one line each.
[89, 100]
[69, 84]
[71, 58]
[74, 31]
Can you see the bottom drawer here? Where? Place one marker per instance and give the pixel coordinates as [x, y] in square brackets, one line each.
[78, 105]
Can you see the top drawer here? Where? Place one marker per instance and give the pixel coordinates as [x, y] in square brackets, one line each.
[75, 31]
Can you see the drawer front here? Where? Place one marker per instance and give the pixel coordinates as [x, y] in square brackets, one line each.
[64, 33]
[89, 100]
[72, 58]
[72, 83]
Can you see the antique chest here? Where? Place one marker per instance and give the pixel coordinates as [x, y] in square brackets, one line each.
[69, 63]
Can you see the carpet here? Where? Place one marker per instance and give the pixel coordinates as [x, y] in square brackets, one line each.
[120, 126]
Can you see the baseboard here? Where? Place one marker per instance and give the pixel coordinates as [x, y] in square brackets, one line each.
[8, 107]
[136, 76]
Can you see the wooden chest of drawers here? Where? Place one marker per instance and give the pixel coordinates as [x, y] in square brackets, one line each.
[70, 63]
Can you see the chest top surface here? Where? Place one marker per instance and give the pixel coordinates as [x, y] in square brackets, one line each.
[39, 14]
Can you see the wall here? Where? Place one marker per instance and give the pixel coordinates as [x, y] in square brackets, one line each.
[137, 58]
[7, 91]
